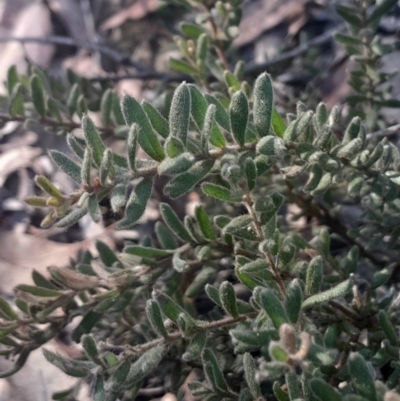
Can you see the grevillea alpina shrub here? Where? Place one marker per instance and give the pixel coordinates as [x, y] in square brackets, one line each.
[234, 302]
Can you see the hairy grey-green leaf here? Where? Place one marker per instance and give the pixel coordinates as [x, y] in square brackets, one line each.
[325, 296]
[93, 140]
[239, 115]
[137, 202]
[68, 166]
[133, 113]
[179, 114]
[263, 104]
[184, 182]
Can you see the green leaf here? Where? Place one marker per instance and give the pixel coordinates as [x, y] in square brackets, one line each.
[176, 165]
[37, 95]
[219, 192]
[221, 116]
[314, 276]
[239, 115]
[241, 227]
[118, 377]
[179, 264]
[65, 164]
[202, 47]
[387, 327]
[274, 308]
[250, 375]
[293, 300]
[76, 146]
[158, 122]
[191, 30]
[213, 371]
[16, 106]
[279, 393]
[93, 140]
[271, 146]
[381, 9]
[323, 391]
[197, 285]
[213, 294]
[107, 255]
[71, 367]
[350, 15]
[263, 105]
[174, 147]
[74, 216]
[182, 66]
[149, 361]
[94, 209]
[198, 106]
[251, 173]
[361, 376]
[6, 311]
[48, 187]
[132, 146]
[278, 352]
[146, 252]
[153, 313]
[106, 167]
[278, 124]
[12, 78]
[184, 182]
[196, 346]
[204, 223]
[297, 127]
[72, 101]
[165, 236]
[91, 350]
[293, 386]
[348, 40]
[172, 221]
[179, 114]
[86, 168]
[106, 107]
[325, 296]
[169, 307]
[228, 299]
[231, 81]
[53, 109]
[207, 129]
[133, 113]
[137, 202]
[118, 197]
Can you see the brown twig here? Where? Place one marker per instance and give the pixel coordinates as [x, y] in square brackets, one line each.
[65, 41]
[260, 237]
[70, 125]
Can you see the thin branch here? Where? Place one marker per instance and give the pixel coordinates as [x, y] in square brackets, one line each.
[260, 237]
[326, 37]
[65, 41]
[394, 129]
[70, 125]
[143, 76]
[227, 321]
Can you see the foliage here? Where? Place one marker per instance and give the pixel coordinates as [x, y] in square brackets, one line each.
[310, 323]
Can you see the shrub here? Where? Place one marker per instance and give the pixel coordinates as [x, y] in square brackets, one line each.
[234, 302]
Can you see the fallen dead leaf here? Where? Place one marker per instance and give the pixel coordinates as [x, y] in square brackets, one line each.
[15, 159]
[20, 253]
[136, 11]
[35, 21]
[263, 15]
